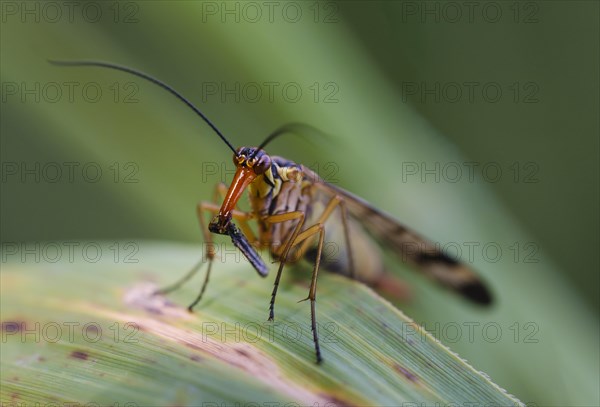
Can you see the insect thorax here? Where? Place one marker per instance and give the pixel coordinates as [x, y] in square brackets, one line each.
[281, 189]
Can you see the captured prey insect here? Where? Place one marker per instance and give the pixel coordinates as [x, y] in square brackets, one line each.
[294, 210]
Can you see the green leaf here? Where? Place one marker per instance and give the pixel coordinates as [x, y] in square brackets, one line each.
[76, 331]
[361, 62]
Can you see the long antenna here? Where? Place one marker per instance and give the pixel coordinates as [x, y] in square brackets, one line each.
[293, 128]
[151, 79]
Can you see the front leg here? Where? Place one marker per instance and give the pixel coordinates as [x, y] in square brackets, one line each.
[211, 208]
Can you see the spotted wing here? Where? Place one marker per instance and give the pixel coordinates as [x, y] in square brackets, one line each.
[410, 246]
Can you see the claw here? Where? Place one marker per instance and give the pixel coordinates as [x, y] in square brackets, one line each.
[307, 298]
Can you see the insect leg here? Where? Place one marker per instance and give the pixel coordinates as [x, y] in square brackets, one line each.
[335, 201]
[283, 217]
[220, 189]
[210, 250]
[344, 214]
[211, 208]
[312, 293]
[346, 229]
[304, 238]
[209, 254]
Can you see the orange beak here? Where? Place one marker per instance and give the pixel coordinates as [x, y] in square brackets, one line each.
[242, 178]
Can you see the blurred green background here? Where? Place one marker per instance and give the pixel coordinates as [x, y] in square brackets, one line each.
[381, 78]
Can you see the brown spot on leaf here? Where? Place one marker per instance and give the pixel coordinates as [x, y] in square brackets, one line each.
[13, 326]
[153, 310]
[333, 401]
[169, 303]
[196, 358]
[77, 354]
[256, 363]
[143, 296]
[406, 373]
[192, 345]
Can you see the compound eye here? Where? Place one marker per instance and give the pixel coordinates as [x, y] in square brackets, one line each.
[238, 158]
[263, 164]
